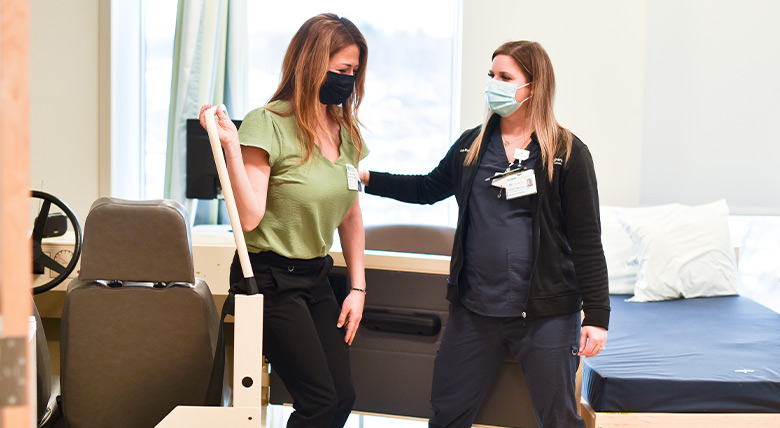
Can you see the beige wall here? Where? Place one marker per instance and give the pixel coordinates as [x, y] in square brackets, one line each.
[64, 101]
[597, 51]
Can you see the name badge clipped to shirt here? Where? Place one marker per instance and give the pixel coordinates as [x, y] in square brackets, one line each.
[353, 178]
[521, 184]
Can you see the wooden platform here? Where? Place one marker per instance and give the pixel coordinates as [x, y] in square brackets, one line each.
[595, 419]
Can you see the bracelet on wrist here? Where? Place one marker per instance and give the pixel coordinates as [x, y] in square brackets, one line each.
[362, 290]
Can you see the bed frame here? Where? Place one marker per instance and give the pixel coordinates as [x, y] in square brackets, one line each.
[595, 419]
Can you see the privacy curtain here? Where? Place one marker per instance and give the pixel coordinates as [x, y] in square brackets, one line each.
[209, 67]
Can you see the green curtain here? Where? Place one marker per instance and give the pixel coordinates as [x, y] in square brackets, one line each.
[209, 67]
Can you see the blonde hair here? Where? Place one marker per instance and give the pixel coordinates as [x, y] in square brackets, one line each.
[555, 140]
[304, 70]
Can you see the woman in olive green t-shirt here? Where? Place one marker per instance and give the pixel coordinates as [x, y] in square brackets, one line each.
[293, 167]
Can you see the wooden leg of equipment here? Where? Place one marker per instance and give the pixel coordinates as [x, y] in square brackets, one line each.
[212, 417]
[247, 377]
[248, 355]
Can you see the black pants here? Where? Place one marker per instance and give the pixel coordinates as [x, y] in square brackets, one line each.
[300, 338]
[471, 353]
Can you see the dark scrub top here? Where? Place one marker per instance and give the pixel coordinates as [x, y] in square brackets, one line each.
[498, 249]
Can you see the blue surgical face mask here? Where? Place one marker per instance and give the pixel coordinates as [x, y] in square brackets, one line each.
[501, 97]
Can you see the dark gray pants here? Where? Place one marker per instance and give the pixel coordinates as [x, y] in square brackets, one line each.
[471, 353]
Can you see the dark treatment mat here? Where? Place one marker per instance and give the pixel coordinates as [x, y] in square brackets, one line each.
[712, 354]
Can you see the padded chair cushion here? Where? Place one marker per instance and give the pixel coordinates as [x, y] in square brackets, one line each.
[130, 355]
[421, 239]
[137, 241]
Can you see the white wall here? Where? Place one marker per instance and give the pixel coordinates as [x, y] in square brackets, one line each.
[712, 104]
[597, 51]
[64, 106]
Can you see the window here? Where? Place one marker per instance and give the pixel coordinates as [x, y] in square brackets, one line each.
[159, 27]
[408, 111]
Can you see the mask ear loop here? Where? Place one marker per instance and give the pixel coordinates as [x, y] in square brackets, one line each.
[529, 95]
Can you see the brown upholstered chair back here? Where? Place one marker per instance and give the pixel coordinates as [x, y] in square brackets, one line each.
[137, 241]
[408, 238]
[138, 329]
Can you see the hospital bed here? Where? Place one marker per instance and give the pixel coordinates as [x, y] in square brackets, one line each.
[709, 361]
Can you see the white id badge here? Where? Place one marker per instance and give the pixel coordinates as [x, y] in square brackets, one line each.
[521, 184]
[521, 154]
[353, 178]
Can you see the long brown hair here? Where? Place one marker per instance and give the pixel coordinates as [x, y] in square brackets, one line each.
[555, 140]
[304, 70]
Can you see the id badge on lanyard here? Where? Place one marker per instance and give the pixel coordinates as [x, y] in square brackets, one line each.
[520, 184]
[517, 182]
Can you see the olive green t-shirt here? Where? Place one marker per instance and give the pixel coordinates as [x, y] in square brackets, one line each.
[306, 201]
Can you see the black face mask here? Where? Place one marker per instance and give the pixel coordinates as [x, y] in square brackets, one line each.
[337, 88]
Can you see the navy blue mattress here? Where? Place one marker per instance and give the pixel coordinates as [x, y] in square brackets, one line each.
[714, 354]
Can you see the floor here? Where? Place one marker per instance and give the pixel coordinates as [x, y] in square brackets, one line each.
[276, 417]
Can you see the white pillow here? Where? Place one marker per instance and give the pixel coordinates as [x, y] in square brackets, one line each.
[622, 264]
[683, 251]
